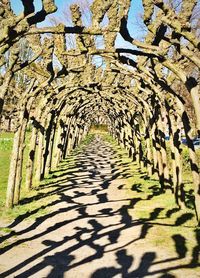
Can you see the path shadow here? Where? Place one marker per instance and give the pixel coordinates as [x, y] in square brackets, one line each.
[99, 223]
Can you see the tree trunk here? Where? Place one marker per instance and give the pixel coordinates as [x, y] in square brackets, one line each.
[194, 88]
[57, 145]
[39, 161]
[31, 159]
[50, 159]
[47, 146]
[149, 155]
[193, 164]
[4, 89]
[155, 158]
[177, 163]
[13, 168]
[163, 150]
[193, 159]
[159, 159]
[18, 178]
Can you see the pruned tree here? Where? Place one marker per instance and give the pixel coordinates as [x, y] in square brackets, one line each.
[143, 92]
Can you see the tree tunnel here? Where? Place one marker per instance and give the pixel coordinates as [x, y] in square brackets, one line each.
[144, 91]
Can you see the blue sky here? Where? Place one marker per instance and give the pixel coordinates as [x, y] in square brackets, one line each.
[135, 25]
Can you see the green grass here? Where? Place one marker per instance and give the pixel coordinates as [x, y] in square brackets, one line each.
[35, 206]
[148, 189]
[98, 128]
[6, 135]
[155, 208]
[186, 159]
[6, 142]
[135, 181]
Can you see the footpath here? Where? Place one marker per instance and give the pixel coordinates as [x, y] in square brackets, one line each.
[91, 228]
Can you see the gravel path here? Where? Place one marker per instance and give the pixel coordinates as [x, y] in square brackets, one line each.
[88, 232]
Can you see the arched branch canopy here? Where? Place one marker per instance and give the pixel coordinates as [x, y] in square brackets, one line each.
[61, 79]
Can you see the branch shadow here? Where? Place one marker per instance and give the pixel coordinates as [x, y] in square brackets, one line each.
[61, 256]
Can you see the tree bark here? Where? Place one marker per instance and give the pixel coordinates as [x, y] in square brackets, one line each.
[193, 159]
[31, 159]
[13, 168]
[39, 160]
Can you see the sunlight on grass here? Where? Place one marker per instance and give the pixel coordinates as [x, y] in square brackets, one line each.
[6, 142]
[36, 202]
[156, 208]
[153, 207]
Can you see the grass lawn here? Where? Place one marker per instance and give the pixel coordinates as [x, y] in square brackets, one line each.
[164, 226]
[29, 200]
[6, 142]
[136, 179]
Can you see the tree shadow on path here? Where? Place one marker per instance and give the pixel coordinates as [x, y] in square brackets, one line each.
[90, 226]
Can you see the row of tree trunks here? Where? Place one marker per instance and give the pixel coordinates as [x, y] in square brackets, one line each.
[15, 173]
[155, 149]
[51, 141]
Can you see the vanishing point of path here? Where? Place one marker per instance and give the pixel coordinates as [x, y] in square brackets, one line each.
[88, 231]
